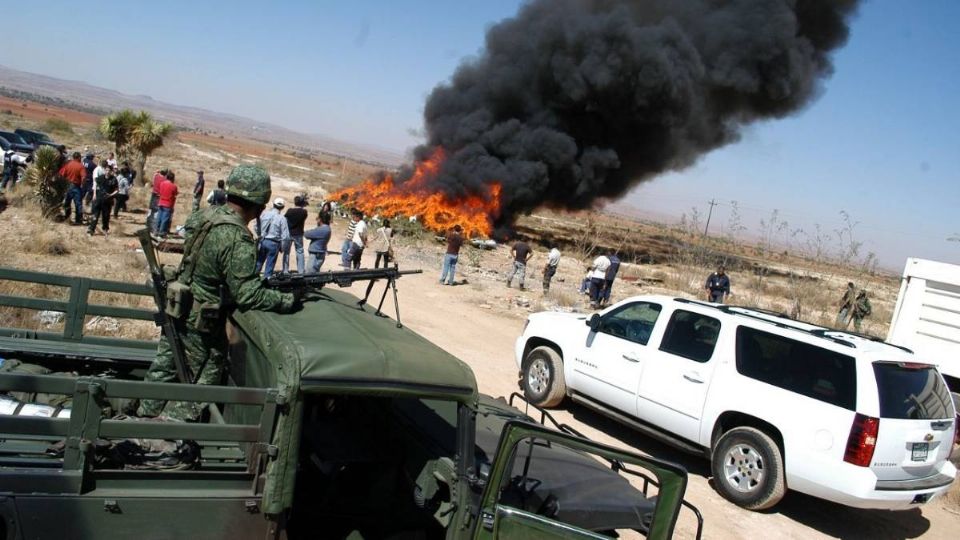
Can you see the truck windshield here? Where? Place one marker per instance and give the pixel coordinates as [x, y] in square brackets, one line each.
[911, 391]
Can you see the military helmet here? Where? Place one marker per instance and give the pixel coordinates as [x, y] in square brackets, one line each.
[250, 183]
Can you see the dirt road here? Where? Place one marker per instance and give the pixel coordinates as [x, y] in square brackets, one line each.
[478, 322]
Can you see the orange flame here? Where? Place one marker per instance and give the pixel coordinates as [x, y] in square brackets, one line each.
[417, 197]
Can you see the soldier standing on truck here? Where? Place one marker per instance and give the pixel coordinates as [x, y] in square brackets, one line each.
[846, 305]
[218, 272]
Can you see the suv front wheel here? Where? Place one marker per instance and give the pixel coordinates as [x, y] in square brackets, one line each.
[543, 382]
[748, 468]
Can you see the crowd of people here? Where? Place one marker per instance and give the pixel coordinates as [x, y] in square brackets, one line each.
[98, 188]
[101, 189]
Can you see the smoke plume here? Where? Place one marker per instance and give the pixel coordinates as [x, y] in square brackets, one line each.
[576, 101]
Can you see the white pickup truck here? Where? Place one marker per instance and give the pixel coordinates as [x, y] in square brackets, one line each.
[773, 402]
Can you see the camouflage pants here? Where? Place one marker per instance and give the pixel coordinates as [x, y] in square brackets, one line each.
[205, 355]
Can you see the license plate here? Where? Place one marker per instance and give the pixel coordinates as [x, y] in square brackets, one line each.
[919, 452]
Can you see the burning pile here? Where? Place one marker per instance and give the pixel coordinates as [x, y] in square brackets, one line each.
[418, 197]
[575, 102]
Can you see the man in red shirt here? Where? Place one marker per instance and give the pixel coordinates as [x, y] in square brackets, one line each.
[74, 172]
[158, 178]
[166, 200]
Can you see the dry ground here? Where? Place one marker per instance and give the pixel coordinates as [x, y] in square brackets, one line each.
[479, 319]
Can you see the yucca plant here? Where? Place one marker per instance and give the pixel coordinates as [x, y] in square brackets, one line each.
[49, 188]
[147, 136]
[135, 135]
[117, 128]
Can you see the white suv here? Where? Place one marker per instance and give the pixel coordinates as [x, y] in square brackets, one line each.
[774, 403]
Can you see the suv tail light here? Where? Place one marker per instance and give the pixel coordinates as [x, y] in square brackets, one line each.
[862, 441]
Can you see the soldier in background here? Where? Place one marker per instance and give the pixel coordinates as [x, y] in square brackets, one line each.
[846, 306]
[861, 310]
[198, 190]
[218, 265]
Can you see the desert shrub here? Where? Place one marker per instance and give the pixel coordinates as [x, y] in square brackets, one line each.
[565, 296]
[48, 243]
[49, 188]
[57, 125]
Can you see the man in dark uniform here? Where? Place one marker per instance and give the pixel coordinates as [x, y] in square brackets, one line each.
[718, 286]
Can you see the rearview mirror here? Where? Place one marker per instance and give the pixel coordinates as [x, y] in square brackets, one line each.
[594, 322]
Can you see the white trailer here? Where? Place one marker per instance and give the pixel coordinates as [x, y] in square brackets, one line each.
[927, 316]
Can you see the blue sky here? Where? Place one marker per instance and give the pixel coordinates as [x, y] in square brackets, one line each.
[881, 142]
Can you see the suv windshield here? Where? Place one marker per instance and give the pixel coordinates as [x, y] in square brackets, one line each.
[13, 137]
[911, 391]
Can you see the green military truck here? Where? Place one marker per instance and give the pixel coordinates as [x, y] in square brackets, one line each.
[335, 423]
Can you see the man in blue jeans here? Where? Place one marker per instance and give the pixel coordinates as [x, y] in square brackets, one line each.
[319, 238]
[454, 241]
[296, 218]
[610, 277]
[74, 172]
[273, 232]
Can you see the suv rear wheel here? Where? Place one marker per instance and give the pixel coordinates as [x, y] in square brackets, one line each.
[748, 468]
[543, 382]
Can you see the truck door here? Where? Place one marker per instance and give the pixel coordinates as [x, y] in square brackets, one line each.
[547, 484]
[609, 366]
[675, 380]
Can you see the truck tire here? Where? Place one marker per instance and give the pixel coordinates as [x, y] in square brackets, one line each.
[748, 469]
[543, 382]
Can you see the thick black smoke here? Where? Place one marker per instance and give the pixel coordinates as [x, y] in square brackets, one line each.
[575, 101]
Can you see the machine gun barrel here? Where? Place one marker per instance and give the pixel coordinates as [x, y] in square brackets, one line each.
[343, 278]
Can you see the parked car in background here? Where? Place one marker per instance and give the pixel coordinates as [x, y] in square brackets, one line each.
[772, 402]
[16, 142]
[36, 138]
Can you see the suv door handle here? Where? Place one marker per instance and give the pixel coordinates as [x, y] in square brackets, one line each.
[693, 377]
[631, 357]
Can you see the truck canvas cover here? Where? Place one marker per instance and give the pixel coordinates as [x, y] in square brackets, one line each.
[332, 345]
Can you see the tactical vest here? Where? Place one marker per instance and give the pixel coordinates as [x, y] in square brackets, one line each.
[179, 296]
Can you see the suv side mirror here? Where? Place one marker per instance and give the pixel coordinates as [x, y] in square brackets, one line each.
[594, 322]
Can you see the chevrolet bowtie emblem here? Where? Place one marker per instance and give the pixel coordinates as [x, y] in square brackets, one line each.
[928, 437]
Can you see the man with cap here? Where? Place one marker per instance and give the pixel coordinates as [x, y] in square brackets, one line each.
[218, 265]
[273, 231]
[75, 172]
[198, 191]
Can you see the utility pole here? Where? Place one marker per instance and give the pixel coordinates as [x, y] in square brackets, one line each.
[712, 203]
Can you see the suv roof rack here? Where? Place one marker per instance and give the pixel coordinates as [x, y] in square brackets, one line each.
[728, 309]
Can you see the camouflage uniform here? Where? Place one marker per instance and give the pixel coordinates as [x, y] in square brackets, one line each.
[846, 306]
[224, 262]
[861, 309]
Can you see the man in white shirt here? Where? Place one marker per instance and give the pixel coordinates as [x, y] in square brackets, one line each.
[359, 240]
[598, 274]
[550, 269]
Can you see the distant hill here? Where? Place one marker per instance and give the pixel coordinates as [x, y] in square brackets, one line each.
[90, 98]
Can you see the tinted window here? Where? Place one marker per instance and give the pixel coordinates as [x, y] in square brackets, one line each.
[910, 391]
[633, 322]
[13, 138]
[798, 367]
[691, 335]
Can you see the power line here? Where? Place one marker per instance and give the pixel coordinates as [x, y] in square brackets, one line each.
[712, 203]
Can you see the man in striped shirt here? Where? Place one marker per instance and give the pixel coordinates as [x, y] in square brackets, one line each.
[348, 241]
